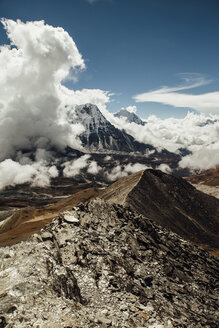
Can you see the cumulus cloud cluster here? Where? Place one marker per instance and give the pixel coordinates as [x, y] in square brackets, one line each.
[32, 68]
[197, 133]
[120, 171]
[202, 159]
[12, 173]
[73, 168]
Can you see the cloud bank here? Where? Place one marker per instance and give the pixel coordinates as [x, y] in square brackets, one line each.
[121, 171]
[13, 173]
[196, 133]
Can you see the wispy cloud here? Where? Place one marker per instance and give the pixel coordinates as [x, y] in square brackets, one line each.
[205, 102]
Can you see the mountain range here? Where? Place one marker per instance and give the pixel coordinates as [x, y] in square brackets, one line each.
[101, 136]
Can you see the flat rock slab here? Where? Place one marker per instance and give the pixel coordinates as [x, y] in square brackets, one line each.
[69, 217]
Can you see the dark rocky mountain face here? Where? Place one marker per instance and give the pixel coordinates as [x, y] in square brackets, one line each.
[129, 116]
[101, 135]
[102, 265]
[171, 202]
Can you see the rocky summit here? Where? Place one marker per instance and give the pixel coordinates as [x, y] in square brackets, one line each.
[103, 265]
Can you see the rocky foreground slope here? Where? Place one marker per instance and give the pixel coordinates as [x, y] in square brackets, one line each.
[102, 265]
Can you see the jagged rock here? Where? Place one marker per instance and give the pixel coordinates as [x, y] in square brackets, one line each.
[100, 318]
[46, 235]
[120, 270]
[3, 322]
[70, 217]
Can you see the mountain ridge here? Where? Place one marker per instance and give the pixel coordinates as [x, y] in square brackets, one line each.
[170, 201]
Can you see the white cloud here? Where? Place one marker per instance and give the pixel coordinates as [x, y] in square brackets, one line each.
[37, 174]
[195, 132]
[203, 103]
[73, 168]
[164, 168]
[97, 97]
[93, 168]
[192, 132]
[202, 159]
[120, 171]
[30, 80]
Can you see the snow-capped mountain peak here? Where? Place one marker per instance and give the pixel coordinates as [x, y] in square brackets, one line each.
[90, 116]
[129, 116]
[100, 134]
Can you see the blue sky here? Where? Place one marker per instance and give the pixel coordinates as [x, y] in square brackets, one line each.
[132, 47]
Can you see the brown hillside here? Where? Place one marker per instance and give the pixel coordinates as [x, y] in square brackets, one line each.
[209, 177]
[25, 222]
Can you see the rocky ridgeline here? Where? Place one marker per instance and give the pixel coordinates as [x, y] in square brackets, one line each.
[102, 265]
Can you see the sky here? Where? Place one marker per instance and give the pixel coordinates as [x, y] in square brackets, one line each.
[158, 55]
